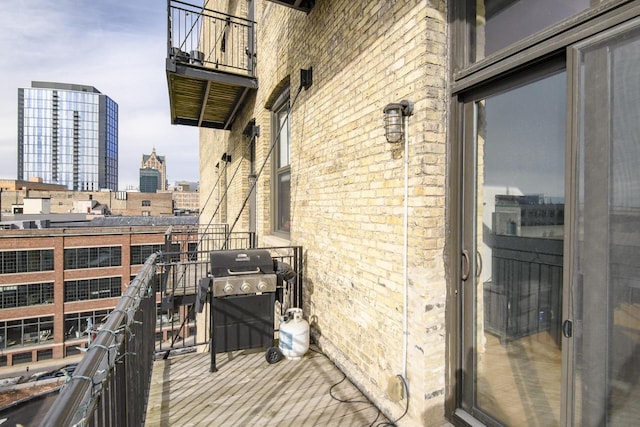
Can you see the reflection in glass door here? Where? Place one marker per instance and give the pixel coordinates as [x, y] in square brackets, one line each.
[514, 225]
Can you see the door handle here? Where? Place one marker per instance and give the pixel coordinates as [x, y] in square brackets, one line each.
[567, 328]
[479, 263]
[466, 265]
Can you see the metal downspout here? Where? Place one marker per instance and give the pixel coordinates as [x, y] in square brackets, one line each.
[405, 268]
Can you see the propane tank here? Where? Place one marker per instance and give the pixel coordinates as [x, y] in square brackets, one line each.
[294, 334]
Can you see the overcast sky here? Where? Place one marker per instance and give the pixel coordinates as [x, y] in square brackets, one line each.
[119, 47]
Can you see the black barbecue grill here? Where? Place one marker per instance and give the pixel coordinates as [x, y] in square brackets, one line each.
[243, 291]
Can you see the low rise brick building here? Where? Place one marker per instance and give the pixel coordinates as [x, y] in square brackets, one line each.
[58, 283]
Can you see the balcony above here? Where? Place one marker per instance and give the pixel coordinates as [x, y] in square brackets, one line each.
[210, 65]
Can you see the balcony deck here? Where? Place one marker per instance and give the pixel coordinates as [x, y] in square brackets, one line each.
[247, 391]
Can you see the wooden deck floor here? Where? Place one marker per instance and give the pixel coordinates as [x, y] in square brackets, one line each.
[247, 391]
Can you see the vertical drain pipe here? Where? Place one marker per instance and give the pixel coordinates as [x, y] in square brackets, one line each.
[405, 267]
[406, 112]
[396, 126]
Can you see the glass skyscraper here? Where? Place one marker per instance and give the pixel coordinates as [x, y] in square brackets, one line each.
[149, 180]
[68, 135]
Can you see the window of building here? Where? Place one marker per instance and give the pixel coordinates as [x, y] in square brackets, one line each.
[502, 23]
[23, 332]
[140, 253]
[106, 256]
[193, 251]
[88, 289]
[146, 203]
[145, 213]
[26, 295]
[45, 354]
[78, 325]
[166, 317]
[22, 358]
[282, 165]
[26, 261]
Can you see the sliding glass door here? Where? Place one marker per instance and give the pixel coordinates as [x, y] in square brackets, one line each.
[606, 279]
[513, 240]
[550, 241]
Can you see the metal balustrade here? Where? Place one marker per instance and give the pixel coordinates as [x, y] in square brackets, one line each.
[111, 383]
[110, 386]
[200, 36]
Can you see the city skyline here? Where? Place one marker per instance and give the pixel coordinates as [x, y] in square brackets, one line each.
[118, 48]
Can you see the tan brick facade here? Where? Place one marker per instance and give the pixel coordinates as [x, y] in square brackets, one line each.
[188, 201]
[347, 183]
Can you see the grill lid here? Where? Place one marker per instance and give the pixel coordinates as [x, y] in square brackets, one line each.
[229, 263]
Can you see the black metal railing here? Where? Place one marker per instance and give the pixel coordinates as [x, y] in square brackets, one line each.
[190, 239]
[291, 291]
[204, 37]
[183, 265]
[177, 323]
[110, 386]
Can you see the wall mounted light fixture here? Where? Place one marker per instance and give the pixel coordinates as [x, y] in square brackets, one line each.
[251, 130]
[306, 78]
[394, 114]
[396, 129]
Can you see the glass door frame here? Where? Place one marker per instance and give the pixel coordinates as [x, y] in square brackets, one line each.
[469, 264]
[591, 328]
[462, 166]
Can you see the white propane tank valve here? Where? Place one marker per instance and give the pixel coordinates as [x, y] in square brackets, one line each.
[294, 334]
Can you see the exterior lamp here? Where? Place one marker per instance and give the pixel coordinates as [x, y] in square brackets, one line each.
[394, 114]
[396, 129]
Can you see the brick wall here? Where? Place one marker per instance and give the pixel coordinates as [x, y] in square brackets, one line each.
[347, 183]
[58, 240]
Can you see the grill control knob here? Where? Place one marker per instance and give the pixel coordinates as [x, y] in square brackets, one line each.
[245, 287]
[228, 288]
[262, 286]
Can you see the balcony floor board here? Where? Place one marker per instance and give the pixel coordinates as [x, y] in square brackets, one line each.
[247, 391]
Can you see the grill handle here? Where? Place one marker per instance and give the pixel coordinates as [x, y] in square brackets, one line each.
[240, 273]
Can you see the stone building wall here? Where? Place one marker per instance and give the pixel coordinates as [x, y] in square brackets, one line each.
[347, 184]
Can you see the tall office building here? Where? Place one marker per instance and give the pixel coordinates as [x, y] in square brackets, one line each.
[149, 180]
[158, 163]
[68, 135]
